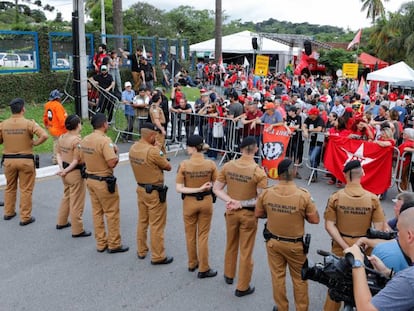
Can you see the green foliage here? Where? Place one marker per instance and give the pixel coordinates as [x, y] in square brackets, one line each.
[333, 59]
[32, 87]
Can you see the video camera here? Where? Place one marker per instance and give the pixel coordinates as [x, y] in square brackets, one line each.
[336, 273]
[376, 234]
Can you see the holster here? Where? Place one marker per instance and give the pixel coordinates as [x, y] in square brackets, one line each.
[306, 243]
[162, 193]
[83, 171]
[111, 183]
[36, 161]
[266, 233]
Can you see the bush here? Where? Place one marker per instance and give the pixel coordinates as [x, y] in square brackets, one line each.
[32, 87]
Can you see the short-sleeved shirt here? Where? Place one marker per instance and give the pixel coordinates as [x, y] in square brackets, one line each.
[313, 124]
[16, 134]
[286, 206]
[242, 178]
[353, 209]
[68, 147]
[135, 64]
[196, 171]
[276, 117]
[128, 96]
[95, 150]
[141, 112]
[398, 294]
[147, 163]
[156, 112]
[104, 81]
[391, 255]
[235, 109]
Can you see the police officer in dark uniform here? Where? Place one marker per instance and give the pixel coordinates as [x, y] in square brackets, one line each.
[286, 207]
[195, 178]
[244, 180]
[349, 214]
[100, 156]
[148, 164]
[16, 134]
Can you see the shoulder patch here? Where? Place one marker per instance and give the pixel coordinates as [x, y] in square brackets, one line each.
[111, 145]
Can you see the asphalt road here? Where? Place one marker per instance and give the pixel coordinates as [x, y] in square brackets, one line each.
[45, 269]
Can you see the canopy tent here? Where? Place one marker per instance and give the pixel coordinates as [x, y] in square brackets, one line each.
[397, 74]
[372, 62]
[241, 43]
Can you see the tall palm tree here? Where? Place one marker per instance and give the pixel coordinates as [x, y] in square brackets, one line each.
[374, 8]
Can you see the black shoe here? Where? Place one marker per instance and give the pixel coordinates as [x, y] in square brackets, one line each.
[1, 203]
[59, 227]
[8, 217]
[102, 250]
[193, 269]
[228, 280]
[141, 257]
[207, 274]
[167, 260]
[241, 293]
[27, 222]
[274, 308]
[82, 234]
[121, 249]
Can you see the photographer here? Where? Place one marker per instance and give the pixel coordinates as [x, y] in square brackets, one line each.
[398, 294]
[349, 214]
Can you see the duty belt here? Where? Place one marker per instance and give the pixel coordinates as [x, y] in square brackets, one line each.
[100, 178]
[16, 156]
[280, 238]
[154, 187]
[249, 208]
[77, 167]
[199, 195]
[351, 236]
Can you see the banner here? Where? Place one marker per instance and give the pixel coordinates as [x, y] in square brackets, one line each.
[275, 142]
[376, 161]
[262, 65]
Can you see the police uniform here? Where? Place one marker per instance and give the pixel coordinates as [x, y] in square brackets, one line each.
[16, 134]
[95, 150]
[286, 206]
[197, 208]
[148, 164]
[243, 177]
[353, 210]
[73, 200]
[155, 112]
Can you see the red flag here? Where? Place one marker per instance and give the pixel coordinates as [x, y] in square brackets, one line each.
[275, 142]
[376, 161]
[356, 39]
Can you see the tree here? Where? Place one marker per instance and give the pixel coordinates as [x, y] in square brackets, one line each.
[333, 59]
[218, 31]
[118, 22]
[374, 8]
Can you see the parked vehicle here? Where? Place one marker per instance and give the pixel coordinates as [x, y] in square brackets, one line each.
[16, 60]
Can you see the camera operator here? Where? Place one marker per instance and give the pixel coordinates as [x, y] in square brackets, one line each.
[349, 214]
[389, 250]
[287, 207]
[398, 294]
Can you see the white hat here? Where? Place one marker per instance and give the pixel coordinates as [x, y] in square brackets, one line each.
[127, 84]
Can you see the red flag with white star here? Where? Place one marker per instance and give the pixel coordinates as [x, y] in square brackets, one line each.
[376, 161]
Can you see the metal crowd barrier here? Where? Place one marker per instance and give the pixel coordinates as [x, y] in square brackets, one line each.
[404, 174]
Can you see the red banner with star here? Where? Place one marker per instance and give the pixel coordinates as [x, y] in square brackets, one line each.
[376, 161]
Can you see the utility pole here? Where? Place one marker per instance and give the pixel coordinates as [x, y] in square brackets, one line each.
[103, 25]
[218, 46]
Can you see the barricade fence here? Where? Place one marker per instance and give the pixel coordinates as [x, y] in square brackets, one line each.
[224, 136]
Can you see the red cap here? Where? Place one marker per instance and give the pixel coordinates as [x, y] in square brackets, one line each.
[349, 109]
[269, 106]
[323, 99]
[285, 97]
[313, 111]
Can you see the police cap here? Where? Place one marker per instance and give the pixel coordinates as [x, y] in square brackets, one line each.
[351, 165]
[149, 126]
[248, 141]
[284, 166]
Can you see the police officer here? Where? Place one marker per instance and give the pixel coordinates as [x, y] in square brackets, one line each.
[16, 134]
[148, 164]
[157, 117]
[100, 157]
[286, 207]
[349, 214]
[244, 180]
[68, 158]
[195, 180]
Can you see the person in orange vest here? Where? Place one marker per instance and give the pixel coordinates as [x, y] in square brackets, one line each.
[54, 117]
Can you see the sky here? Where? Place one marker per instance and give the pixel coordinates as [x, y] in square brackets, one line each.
[341, 13]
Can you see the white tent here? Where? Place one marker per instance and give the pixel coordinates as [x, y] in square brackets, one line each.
[241, 43]
[399, 73]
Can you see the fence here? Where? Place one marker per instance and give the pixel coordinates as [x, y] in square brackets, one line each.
[19, 50]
